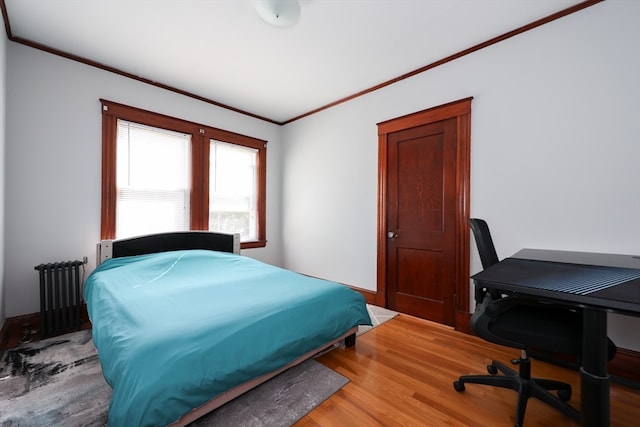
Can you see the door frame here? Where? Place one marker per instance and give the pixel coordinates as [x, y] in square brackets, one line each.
[461, 111]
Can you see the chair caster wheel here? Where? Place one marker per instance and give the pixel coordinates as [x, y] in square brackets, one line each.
[492, 369]
[564, 395]
[458, 386]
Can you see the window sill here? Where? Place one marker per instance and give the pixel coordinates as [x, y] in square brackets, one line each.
[253, 244]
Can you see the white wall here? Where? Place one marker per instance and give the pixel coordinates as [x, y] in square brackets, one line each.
[554, 154]
[3, 50]
[53, 162]
[555, 151]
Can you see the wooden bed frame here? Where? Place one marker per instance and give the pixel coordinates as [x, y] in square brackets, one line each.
[349, 338]
[221, 242]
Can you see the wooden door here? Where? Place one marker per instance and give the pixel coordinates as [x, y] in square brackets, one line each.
[422, 211]
[420, 221]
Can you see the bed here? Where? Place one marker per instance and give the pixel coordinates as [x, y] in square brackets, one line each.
[183, 323]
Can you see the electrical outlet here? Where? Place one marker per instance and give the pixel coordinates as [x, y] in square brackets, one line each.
[85, 260]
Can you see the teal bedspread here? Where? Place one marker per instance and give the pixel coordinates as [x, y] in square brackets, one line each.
[175, 329]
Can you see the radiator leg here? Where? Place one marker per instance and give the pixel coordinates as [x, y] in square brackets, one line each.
[76, 311]
[50, 319]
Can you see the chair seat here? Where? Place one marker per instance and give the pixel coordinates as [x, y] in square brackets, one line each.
[531, 326]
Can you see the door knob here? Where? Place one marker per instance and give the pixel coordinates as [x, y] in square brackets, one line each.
[392, 234]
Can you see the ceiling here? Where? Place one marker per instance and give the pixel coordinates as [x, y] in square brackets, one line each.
[222, 52]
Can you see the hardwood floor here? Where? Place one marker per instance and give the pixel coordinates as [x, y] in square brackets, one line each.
[401, 374]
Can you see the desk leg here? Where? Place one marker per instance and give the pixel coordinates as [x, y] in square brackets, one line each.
[593, 373]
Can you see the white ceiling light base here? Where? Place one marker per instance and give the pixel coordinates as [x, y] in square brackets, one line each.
[280, 13]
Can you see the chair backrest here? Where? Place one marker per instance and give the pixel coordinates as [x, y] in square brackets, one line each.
[490, 302]
[488, 257]
[484, 242]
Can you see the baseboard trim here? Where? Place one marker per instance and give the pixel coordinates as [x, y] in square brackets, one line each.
[12, 326]
[626, 365]
[462, 322]
[4, 335]
[369, 296]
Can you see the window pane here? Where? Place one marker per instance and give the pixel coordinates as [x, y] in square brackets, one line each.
[233, 189]
[152, 180]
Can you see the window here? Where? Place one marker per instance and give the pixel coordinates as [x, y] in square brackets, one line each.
[163, 174]
[152, 180]
[232, 189]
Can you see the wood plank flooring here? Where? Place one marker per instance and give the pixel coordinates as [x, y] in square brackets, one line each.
[401, 374]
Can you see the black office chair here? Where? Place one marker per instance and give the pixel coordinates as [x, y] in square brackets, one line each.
[524, 324]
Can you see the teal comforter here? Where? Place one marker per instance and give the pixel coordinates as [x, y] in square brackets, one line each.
[175, 329]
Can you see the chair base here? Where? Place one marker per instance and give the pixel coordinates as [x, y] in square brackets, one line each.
[525, 386]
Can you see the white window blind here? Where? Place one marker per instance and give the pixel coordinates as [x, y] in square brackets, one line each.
[233, 189]
[152, 180]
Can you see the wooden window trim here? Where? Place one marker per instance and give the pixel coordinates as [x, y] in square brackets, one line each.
[200, 137]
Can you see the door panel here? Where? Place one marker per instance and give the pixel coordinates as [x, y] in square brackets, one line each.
[420, 179]
[420, 267]
[421, 211]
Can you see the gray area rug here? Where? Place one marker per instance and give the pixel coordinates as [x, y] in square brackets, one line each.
[59, 382]
[281, 401]
[378, 315]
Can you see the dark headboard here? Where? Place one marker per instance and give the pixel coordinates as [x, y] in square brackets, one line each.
[163, 242]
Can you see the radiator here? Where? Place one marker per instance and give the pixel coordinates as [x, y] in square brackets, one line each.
[60, 297]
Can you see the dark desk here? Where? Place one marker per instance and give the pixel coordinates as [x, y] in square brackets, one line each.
[596, 283]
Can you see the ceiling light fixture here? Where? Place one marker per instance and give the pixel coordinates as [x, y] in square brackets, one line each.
[280, 13]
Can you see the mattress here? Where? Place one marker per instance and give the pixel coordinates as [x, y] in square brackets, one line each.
[175, 329]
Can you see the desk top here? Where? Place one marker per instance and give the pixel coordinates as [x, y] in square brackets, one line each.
[602, 281]
[586, 258]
